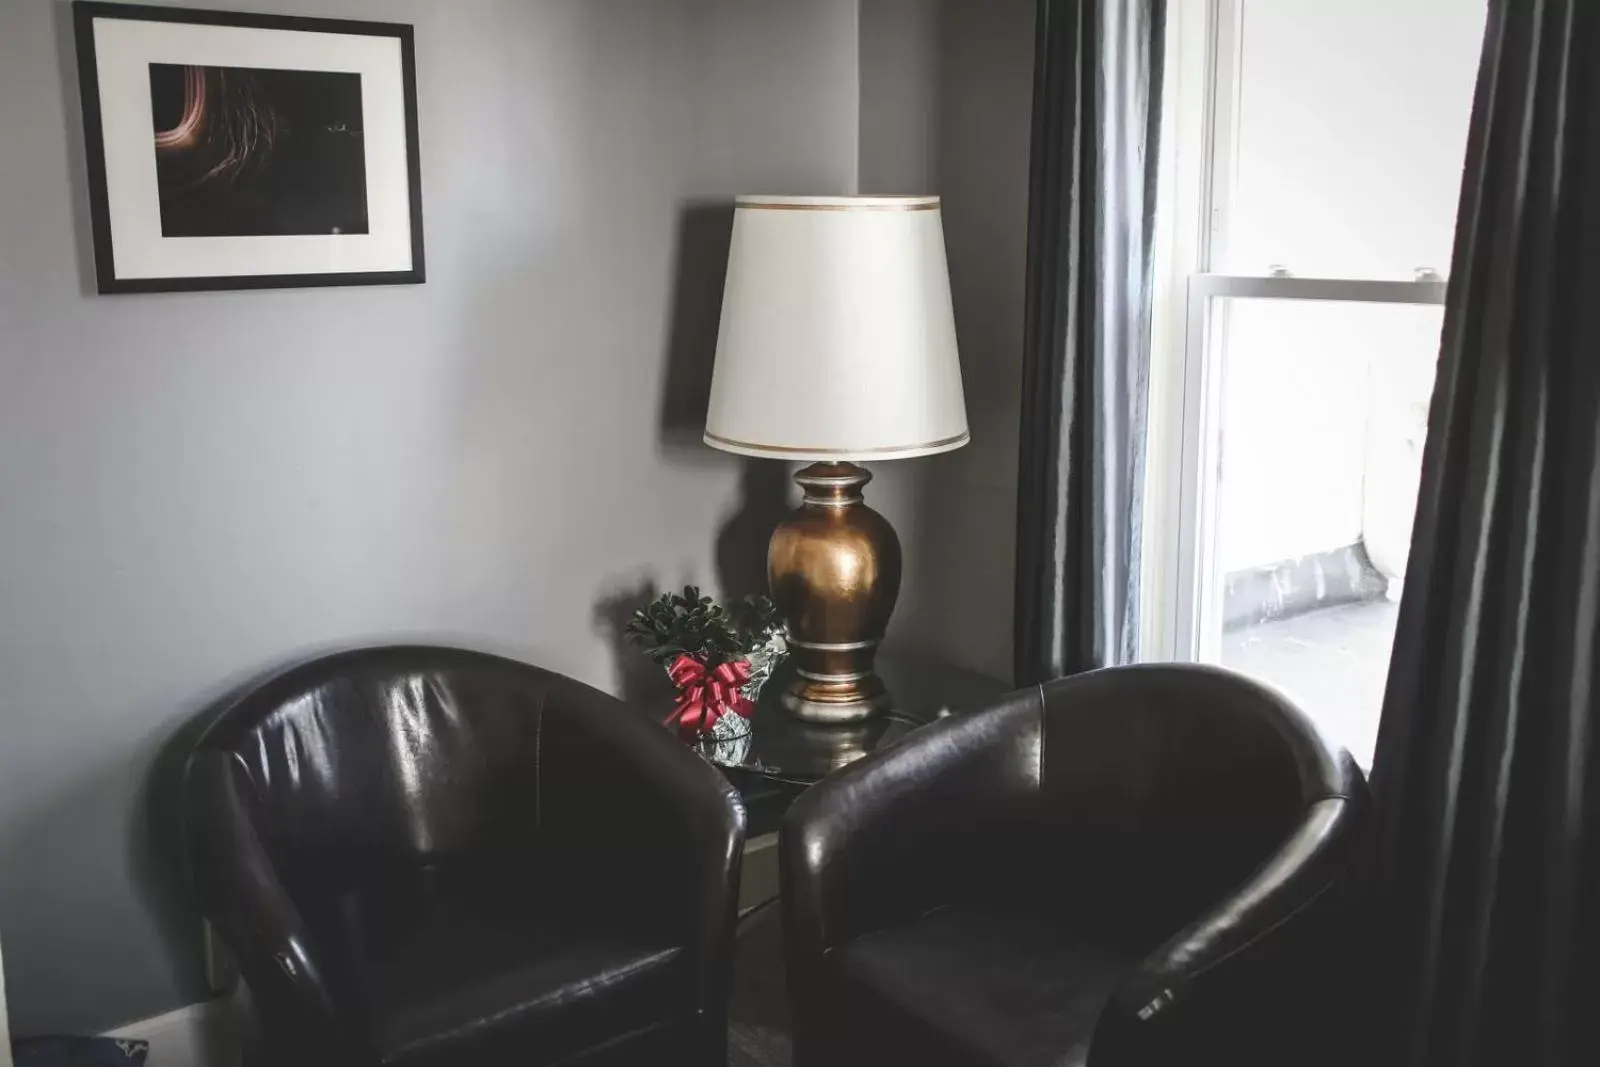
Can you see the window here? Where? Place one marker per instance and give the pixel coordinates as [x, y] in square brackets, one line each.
[1311, 170]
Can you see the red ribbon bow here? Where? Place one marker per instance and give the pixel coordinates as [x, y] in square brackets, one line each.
[706, 694]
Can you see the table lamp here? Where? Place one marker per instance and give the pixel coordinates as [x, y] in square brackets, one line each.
[837, 345]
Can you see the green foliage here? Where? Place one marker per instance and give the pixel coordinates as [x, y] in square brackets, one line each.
[687, 623]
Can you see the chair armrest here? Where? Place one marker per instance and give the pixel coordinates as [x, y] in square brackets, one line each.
[899, 833]
[1310, 864]
[242, 896]
[657, 832]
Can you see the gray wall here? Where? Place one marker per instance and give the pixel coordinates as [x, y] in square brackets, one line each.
[196, 488]
[946, 100]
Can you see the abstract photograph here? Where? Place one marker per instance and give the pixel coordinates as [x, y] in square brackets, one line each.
[234, 150]
[244, 152]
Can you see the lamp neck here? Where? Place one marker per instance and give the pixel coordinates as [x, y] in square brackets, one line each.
[833, 485]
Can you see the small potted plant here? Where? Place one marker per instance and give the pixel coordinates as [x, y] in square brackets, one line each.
[719, 658]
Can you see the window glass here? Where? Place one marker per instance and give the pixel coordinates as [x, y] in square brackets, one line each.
[1323, 416]
[1348, 135]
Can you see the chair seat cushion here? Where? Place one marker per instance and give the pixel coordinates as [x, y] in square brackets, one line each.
[467, 973]
[967, 988]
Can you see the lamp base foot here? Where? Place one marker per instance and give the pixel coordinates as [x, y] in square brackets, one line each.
[836, 698]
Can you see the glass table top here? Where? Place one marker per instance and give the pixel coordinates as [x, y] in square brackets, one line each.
[784, 749]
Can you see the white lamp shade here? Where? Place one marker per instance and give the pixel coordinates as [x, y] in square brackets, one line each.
[837, 339]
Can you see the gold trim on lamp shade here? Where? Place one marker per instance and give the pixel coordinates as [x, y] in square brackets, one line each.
[763, 206]
[947, 442]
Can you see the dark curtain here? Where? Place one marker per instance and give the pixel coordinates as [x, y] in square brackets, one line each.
[1096, 103]
[1486, 778]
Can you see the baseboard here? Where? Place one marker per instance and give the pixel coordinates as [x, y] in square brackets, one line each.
[197, 1035]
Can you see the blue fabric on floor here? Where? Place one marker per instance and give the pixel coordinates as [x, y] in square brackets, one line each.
[78, 1052]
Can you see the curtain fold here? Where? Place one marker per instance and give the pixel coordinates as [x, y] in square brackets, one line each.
[1086, 359]
[1487, 786]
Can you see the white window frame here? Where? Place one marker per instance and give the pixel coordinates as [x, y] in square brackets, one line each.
[1182, 587]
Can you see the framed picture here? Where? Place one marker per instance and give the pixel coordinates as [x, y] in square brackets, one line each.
[238, 151]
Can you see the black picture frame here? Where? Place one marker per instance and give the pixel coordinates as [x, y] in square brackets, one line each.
[86, 12]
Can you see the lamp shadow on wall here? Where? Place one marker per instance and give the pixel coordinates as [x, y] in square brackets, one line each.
[641, 682]
[740, 549]
[704, 230]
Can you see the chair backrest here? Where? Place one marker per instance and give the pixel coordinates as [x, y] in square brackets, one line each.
[1173, 783]
[391, 758]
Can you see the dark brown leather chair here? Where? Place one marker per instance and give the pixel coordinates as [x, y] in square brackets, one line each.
[425, 856]
[1139, 865]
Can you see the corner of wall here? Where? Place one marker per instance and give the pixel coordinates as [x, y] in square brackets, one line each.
[946, 89]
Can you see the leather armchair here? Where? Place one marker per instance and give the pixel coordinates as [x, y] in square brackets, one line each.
[426, 856]
[1141, 865]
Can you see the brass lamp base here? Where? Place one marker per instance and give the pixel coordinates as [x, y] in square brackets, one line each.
[834, 568]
